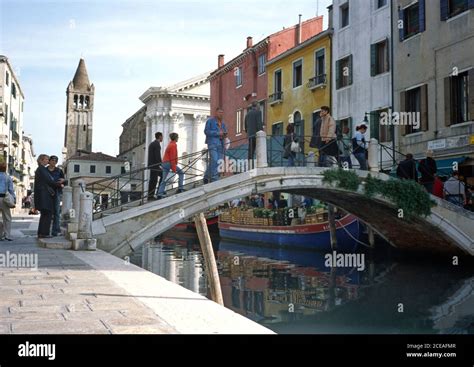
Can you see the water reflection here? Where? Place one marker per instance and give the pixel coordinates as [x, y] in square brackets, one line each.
[294, 292]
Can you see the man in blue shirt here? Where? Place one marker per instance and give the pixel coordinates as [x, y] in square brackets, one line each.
[215, 131]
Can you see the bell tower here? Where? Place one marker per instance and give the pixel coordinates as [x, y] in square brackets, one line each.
[79, 112]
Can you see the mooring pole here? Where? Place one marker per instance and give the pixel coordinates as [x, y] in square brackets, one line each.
[209, 259]
[332, 226]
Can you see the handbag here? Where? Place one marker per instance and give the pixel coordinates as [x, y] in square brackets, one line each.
[295, 147]
[8, 198]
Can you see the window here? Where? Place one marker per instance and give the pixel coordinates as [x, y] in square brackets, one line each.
[344, 10]
[277, 81]
[81, 102]
[262, 111]
[320, 63]
[412, 20]
[238, 76]
[6, 114]
[92, 168]
[277, 129]
[344, 72]
[75, 101]
[86, 102]
[459, 98]
[381, 129]
[451, 8]
[414, 110]
[277, 84]
[13, 90]
[262, 59]
[381, 3]
[297, 73]
[238, 122]
[7, 78]
[76, 168]
[108, 170]
[122, 170]
[379, 58]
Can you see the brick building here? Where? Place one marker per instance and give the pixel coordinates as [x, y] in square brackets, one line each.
[239, 82]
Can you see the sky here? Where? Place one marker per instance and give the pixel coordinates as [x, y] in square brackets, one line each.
[128, 46]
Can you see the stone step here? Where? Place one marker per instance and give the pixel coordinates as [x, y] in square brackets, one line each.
[55, 243]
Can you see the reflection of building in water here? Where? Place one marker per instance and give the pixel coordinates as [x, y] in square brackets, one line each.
[178, 265]
[261, 288]
[456, 314]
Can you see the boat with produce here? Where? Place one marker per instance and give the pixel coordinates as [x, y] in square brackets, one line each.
[289, 228]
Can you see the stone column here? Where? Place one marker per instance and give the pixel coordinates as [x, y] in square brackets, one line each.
[373, 160]
[72, 227]
[84, 240]
[262, 161]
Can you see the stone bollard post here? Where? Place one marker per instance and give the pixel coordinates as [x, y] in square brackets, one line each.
[261, 148]
[84, 240]
[66, 206]
[373, 155]
[73, 225]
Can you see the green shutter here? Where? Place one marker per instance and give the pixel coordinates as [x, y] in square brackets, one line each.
[373, 60]
[374, 125]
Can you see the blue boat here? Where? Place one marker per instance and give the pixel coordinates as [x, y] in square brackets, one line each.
[304, 236]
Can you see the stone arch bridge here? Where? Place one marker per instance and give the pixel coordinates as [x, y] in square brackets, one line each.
[448, 229]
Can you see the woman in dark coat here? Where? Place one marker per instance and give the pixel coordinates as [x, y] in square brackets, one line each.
[45, 189]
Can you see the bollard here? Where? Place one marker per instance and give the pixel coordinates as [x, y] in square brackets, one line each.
[85, 216]
[72, 227]
[66, 205]
[261, 148]
[373, 155]
[84, 240]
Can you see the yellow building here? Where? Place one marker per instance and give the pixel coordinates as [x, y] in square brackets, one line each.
[299, 83]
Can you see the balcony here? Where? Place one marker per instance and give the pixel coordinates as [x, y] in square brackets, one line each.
[317, 82]
[275, 98]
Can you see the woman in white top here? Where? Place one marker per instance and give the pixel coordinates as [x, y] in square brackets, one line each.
[6, 184]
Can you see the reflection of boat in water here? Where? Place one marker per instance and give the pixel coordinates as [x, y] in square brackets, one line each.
[311, 232]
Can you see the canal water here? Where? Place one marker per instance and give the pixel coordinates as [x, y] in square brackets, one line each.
[295, 292]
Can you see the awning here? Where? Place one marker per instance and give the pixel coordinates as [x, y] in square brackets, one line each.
[445, 166]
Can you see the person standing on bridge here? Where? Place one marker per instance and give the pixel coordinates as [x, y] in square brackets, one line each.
[170, 163]
[253, 123]
[154, 164]
[407, 169]
[328, 136]
[215, 131]
[428, 169]
[359, 147]
[455, 190]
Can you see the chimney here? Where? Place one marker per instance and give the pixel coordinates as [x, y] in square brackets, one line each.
[299, 29]
[220, 61]
[249, 42]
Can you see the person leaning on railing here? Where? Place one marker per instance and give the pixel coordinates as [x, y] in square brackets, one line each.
[359, 147]
[455, 190]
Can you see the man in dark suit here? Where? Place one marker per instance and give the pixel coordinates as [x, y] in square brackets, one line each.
[253, 123]
[407, 169]
[154, 163]
[45, 190]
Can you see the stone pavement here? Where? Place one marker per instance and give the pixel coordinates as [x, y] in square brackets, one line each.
[96, 293]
